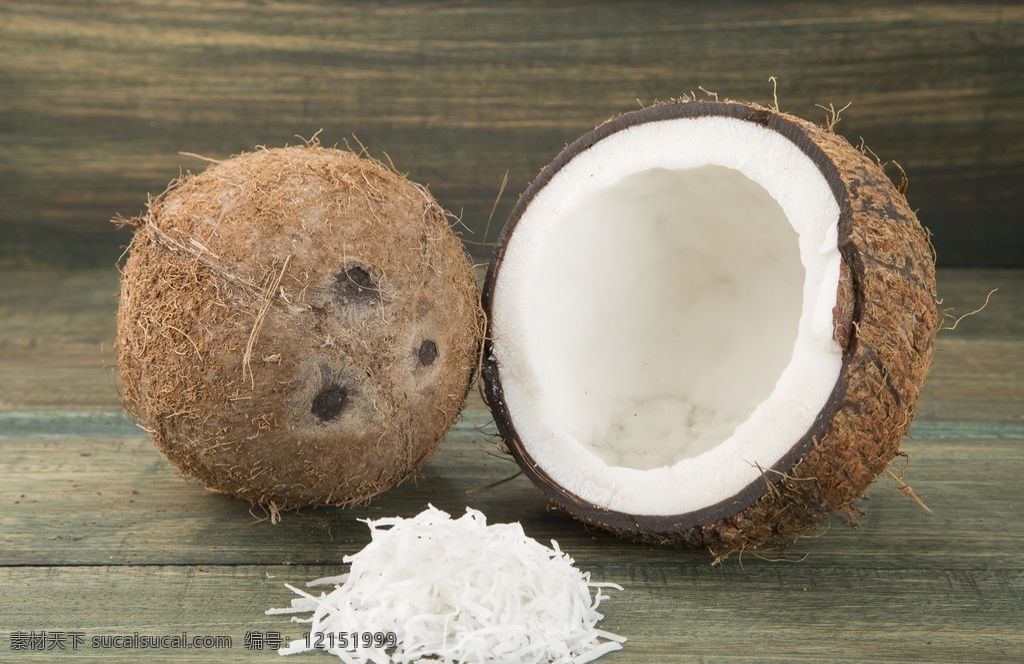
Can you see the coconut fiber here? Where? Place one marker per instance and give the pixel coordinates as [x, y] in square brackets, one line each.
[297, 326]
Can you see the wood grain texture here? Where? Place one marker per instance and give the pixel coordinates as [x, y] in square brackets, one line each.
[99, 535]
[676, 613]
[98, 99]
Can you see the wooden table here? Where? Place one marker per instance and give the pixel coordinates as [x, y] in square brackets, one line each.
[100, 537]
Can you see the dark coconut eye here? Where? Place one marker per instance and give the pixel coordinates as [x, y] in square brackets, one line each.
[356, 284]
[329, 402]
[427, 353]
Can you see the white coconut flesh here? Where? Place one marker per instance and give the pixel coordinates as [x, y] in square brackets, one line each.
[662, 319]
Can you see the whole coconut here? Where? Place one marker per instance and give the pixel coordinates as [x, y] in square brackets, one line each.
[297, 326]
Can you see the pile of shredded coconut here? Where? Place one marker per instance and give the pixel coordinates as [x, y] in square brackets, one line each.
[457, 590]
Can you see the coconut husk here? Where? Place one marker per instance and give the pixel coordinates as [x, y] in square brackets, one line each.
[297, 326]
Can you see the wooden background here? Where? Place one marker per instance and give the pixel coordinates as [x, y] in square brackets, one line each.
[97, 99]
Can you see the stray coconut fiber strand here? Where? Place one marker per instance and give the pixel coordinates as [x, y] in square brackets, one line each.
[457, 590]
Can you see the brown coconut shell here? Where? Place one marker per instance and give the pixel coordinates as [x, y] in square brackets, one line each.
[297, 326]
[886, 319]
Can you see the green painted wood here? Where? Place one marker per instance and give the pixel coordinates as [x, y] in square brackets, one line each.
[98, 99]
[996, 295]
[114, 501]
[56, 334]
[672, 613]
[98, 534]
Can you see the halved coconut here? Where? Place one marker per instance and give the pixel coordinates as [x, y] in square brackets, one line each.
[709, 324]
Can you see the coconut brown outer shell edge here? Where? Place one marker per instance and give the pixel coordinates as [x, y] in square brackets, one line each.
[886, 319]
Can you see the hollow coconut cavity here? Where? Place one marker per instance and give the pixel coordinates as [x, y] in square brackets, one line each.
[709, 324]
[297, 326]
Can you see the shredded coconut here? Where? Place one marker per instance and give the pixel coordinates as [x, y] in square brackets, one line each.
[456, 590]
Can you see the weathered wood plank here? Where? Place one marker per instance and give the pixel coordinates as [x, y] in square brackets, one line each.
[98, 99]
[975, 381]
[670, 613]
[56, 334]
[105, 500]
[99, 535]
[996, 295]
[57, 331]
[64, 442]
